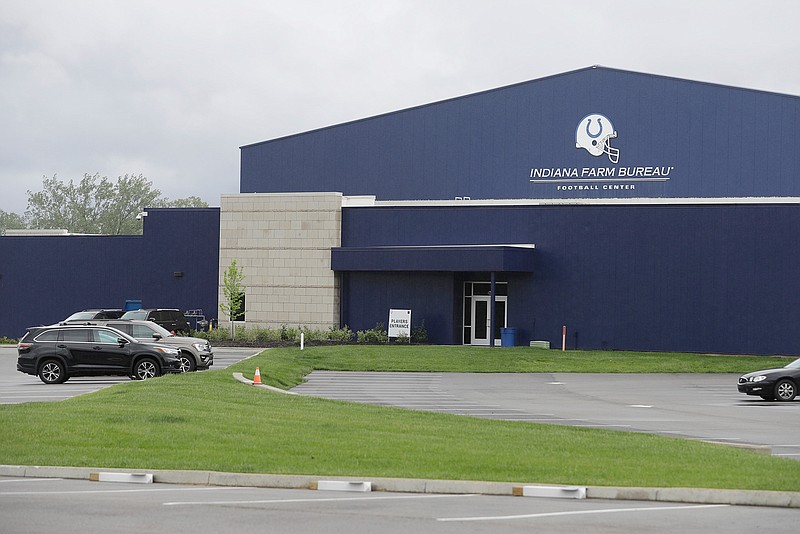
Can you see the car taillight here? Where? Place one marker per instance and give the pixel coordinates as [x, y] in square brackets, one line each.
[24, 346]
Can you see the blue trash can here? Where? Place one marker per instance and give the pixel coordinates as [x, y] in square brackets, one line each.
[508, 337]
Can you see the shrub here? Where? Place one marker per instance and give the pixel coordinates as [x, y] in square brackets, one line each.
[340, 335]
[419, 334]
[267, 335]
[313, 336]
[374, 335]
[290, 334]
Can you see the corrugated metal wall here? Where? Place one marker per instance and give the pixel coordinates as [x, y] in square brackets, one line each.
[718, 141]
[45, 279]
[718, 278]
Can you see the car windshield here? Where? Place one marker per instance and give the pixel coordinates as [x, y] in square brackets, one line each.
[794, 365]
[81, 316]
[134, 314]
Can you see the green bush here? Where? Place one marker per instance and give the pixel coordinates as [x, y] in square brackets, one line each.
[285, 335]
[419, 334]
[373, 336]
[7, 341]
[340, 335]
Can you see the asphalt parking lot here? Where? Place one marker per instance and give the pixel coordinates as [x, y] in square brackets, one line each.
[695, 406]
[78, 506]
[16, 387]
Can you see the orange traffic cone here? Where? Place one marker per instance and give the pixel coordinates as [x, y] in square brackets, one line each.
[257, 378]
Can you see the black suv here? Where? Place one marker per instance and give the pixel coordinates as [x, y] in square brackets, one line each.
[171, 319]
[56, 353]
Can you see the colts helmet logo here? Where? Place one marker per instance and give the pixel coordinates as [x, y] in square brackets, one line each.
[594, 133]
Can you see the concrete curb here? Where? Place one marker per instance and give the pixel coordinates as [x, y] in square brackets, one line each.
[243, 380]
[781, 499]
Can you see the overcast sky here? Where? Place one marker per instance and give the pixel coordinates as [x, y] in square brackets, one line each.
[172, 88]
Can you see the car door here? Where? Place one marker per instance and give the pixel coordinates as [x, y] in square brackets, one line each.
[162, 317]
[74, 345]
[145, 333]
[108, 353]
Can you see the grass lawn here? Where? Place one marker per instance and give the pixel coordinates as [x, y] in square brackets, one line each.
[208, 421]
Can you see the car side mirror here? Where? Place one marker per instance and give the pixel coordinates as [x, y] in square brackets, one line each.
[157, 336]
[122, 341]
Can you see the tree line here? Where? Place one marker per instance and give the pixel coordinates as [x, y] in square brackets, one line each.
[93, 205]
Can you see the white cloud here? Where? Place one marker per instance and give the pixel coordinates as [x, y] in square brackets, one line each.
[172, 89]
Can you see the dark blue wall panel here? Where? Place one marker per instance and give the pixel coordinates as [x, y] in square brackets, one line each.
[45, 279]
[716, 141]
[719, 278]
[431, 297]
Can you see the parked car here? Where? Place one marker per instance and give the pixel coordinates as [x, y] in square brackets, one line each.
[773, 384]
[57, 352]
[88, 315]
[195, 352]
[171, 319]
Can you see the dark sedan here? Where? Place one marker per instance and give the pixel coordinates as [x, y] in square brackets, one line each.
[772, 384]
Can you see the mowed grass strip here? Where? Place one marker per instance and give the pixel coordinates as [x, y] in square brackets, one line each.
[208, 421]
[287, 367]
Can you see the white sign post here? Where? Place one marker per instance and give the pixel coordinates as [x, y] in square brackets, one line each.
[400, 323]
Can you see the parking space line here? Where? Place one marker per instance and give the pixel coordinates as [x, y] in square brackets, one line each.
[582, 512]
[5, 481]
[312, 500]
[84, 492]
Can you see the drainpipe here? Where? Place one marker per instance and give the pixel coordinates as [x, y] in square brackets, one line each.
[491, 311]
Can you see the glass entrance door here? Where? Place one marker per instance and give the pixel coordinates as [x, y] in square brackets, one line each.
[477, 317]
[481, 321]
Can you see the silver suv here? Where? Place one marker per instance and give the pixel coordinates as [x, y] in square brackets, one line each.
[195, 352]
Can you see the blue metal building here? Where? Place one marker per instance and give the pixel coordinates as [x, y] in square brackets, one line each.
[639, 211]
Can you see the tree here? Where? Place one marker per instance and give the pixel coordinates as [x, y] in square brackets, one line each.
[10, 221]
[233, 290]
[97, 205]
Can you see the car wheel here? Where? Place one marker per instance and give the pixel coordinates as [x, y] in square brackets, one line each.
[187, 362]
[785, 390]
[53, 372]
[145, 368]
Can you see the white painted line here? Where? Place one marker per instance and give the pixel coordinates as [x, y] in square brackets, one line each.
[82, 492]
[640, 406]
[581, 512]
[787, 454]
[324, 499]
[30, 480]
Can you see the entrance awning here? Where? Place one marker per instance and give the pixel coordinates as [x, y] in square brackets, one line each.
[446, 258]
